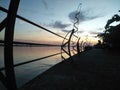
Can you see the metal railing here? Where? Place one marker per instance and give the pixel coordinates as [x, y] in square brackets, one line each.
[68, 45]
[9, 23]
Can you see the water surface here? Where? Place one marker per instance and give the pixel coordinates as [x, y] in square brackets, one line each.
[26, 72]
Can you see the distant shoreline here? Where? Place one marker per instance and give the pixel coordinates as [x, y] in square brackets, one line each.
[16, 43]
[31, 46]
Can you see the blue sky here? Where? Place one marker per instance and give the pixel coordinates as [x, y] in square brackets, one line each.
[58, 16]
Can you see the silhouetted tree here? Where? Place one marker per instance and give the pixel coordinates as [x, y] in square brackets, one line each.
[111, 35]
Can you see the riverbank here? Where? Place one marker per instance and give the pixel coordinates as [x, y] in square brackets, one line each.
[95, 69]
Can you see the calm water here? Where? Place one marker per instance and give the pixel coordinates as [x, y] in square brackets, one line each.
[26, 72]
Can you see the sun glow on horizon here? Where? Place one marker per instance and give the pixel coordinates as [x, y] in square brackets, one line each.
[57, 16]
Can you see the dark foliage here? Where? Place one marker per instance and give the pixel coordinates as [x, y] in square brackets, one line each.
[111, 36]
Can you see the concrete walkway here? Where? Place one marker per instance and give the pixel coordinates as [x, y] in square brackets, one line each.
[96, 69]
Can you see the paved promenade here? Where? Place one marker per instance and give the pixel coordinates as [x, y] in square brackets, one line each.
[95, 69]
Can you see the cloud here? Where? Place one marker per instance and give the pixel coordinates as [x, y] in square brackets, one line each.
[83, 16]
[94, 32]
[65, 31]
[80, 31]
[70, 30]
[80, 16]
[59, 25]
[45, 4]
[100, 29]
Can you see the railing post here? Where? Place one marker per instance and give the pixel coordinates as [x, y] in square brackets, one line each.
[8, 45]
[78, 46]
[69, 51]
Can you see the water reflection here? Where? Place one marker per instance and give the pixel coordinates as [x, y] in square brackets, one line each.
[22, 54]
[26, 72]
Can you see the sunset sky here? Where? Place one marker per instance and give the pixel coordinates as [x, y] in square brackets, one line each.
[58, 16]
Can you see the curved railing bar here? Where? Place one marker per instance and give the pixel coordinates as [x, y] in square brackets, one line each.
[78, 46]
[81, 46]
[77, 16]
[4, 23]
[77, 20]
[63, 45]
[8, 45]
[84, 44]
[72, 32]
[67, 43]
